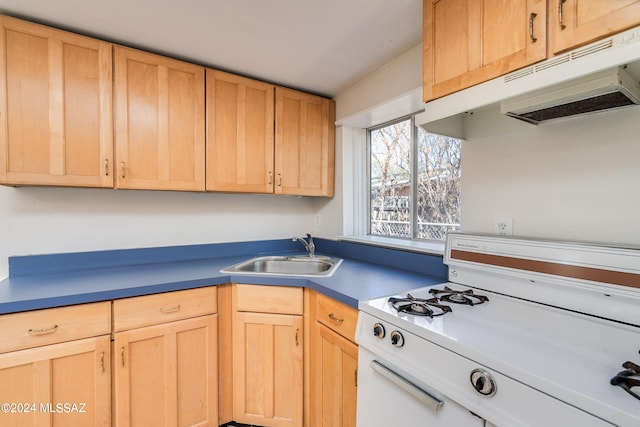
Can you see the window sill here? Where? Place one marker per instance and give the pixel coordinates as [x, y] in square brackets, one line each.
[434, 248]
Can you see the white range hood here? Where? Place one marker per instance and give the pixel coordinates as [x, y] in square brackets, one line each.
[558, 80]
[604, 90]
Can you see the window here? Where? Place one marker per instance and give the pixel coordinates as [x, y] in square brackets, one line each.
[414, 182]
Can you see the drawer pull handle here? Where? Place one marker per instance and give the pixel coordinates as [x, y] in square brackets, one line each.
[43, 331]
[102, 361]
[560, 14]
[335, 319]
[170, 309]
[531, 36]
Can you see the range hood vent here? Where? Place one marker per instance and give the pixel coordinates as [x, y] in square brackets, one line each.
[552, 84]
[605, 90]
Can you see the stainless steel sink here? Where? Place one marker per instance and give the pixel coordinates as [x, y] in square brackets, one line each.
[287, 265]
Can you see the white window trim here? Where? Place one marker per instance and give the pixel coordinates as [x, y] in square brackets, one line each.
[355, 202]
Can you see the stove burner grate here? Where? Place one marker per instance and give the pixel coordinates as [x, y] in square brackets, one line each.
[467, 297]
[419, 306]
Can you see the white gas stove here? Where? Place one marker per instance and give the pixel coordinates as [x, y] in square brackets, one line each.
[525, 333]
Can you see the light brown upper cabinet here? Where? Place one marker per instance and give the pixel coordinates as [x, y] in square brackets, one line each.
[55, 107]
[304, 161]
[159, 122]
[240, 132]
[577, 22]
[467, 42]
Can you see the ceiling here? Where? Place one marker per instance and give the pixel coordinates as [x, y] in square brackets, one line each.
[320, 46]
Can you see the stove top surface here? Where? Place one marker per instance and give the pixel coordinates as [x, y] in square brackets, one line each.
[562, 318]
[569, 355]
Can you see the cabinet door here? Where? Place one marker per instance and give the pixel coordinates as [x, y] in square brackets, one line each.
[240, 132]
[467, 42]
[55, 107]
[159, 122]
[304, 144]
[166, 375]
[335, 378]
[267, 366]
[63, 385]
[577, 22]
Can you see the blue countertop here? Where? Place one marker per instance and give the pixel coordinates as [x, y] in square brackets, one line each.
[46, 281]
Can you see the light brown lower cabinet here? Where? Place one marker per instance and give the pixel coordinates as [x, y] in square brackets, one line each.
[334, 363]
[268, 355]
[165, 374]
[55, 367]
[60, 367]
[339, 378]
[65, 385]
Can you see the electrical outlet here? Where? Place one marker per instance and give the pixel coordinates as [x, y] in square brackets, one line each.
[318, 220]
[504, 226]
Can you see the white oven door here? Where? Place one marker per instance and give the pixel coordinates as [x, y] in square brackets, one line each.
[388, 396]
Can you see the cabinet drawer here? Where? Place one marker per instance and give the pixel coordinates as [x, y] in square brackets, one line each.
[268, 299]
[149, 310]
[336, 315]
[54, 325]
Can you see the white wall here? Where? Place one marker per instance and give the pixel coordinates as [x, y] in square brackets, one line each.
[575, 179]
[389, 92]
[38, 220]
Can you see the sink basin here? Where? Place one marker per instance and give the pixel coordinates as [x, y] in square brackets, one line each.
[287, 265]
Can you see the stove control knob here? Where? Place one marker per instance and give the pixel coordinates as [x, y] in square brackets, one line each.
[397, 339]
[483, 382]
[378, 331]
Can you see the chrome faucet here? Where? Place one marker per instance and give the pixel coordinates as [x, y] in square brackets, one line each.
[308, 244]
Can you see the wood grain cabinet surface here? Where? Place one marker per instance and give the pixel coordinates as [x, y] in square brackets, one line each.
[267, 139]
[268, 357]
[55, 367]
[240, 133]
[165, 372]
[577, 22]
[159, 122]
[57, 121]
[304, 162]
[334, 363]
[467, 42]
[55, 107]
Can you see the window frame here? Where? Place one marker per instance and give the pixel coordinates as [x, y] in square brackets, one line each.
[413, 223]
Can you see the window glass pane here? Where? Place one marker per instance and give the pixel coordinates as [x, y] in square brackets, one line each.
[438, 185]
[390, 165]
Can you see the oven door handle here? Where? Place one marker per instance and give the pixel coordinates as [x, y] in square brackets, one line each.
[420, 394]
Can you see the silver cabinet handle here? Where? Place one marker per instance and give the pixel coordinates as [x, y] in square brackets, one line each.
[430, 401]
